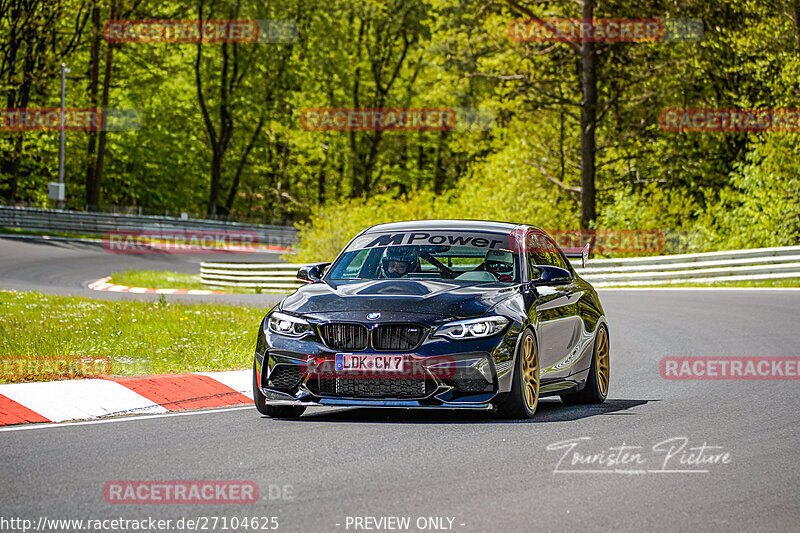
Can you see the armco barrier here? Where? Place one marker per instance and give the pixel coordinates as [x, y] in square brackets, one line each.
[268, 276]
[85, 222]
[734, 265]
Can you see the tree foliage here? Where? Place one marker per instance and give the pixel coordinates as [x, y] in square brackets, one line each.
[221, 134]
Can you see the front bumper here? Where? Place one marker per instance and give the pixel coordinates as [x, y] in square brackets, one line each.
[448, 374]
[466, 380]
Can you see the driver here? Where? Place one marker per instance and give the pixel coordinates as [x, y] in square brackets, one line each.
[399, 261]
[501, 264]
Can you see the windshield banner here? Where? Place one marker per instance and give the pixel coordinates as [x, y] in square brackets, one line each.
[492, 241]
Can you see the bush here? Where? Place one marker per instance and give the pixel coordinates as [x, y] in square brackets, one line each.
[763, 206]
[501, 187]
[331, 227]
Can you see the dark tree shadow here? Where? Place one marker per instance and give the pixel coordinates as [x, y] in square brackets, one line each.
[549, 410]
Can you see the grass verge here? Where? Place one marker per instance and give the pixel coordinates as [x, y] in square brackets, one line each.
[134, 338]
[165, 279]
[32, 233]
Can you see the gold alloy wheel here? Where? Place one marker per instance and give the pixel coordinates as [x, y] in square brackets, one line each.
[603, 370]
[530, 373]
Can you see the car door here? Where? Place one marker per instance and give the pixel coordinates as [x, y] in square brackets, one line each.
[559, 322]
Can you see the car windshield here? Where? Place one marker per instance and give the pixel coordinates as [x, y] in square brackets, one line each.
[389, 257]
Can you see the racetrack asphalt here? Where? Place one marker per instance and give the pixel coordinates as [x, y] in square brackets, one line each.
[67, 266]
[487, 474]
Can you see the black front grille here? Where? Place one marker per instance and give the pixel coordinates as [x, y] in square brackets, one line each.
[373, 387]
[397, 337]
[380, 388]
[344, 336]
[285, 377]
[325, 387]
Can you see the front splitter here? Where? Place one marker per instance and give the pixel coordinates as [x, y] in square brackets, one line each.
[357, 402]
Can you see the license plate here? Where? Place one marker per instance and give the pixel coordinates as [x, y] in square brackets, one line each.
[348, 362]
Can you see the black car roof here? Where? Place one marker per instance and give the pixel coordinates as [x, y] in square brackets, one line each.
[446, 225]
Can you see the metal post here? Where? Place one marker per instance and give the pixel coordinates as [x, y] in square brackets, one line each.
[64, 71]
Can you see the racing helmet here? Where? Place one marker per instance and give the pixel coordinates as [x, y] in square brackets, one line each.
[500, 263]
[398, 261]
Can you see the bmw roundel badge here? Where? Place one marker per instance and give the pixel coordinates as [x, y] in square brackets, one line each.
[373, 316]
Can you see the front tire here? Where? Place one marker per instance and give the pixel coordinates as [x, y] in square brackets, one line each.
[596, 389]
[521, 402]
[273, 411]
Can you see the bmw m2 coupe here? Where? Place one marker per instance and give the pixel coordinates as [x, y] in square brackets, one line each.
[454, 314]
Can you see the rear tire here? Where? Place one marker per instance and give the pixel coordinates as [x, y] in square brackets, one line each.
[273, 411]
[596, 389]
[521, 402]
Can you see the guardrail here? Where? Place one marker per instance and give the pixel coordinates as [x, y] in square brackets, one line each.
[709, 267]
[85, 222]
[734, 265]
[281, 277]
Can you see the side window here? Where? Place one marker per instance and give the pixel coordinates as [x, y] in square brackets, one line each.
[543, 251]
[558, 259]
[351, 265]
[535, 247]
[533, 272]
[539, 249]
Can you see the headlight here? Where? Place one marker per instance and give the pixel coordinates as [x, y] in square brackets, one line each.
[473, 328]
[288, 325]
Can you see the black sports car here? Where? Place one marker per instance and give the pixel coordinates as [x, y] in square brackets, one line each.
[436, 313]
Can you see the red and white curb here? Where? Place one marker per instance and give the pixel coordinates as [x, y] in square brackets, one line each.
[102, 284]
[82, 399]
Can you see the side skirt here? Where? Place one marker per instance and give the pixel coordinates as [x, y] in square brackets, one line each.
[560, 387]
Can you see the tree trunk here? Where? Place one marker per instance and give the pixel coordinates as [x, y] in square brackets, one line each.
[588, 123]
[18, 96]
[91, 190]
[216, 179]
[101, 146]
[321, 175]
[9, 169]
[369, 164]
[797, 23]
[101, 136]
[240, 167]
[439, 174]
[321, 186]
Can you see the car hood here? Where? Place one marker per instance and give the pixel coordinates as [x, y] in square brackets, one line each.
[431, 297]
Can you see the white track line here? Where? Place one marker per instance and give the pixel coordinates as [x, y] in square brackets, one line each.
[27, 427]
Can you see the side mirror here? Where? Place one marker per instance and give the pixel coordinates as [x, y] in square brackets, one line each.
[552, 275]
[311, 273]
